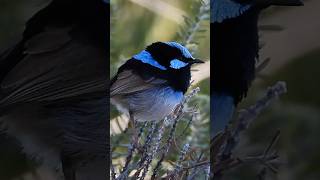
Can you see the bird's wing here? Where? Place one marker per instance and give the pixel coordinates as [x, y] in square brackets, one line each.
[53, 66]
[127, 82]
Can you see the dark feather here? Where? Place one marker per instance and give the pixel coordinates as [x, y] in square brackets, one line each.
[53, 61]
[54, 85]
[72, 69]
[127, 82]
[234, 49]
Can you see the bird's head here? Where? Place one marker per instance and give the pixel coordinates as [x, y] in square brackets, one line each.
[167, 56]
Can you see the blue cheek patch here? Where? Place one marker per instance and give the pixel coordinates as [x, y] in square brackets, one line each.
[145, 57]
[186, 53]
[177, 64]
[226, 9]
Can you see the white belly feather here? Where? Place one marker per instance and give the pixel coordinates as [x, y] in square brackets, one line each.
[149, 105]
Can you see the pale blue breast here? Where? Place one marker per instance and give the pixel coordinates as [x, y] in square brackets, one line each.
[226, 9]
[154, 104]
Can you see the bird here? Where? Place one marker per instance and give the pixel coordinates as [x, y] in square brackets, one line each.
[54, 88]
[235, 50]
[150, 85]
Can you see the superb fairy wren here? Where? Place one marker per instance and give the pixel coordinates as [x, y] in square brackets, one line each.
[152, 83]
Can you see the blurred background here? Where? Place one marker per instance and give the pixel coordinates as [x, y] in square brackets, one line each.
[294, 50]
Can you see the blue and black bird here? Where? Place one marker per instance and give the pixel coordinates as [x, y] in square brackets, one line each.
[234, 50]
[54, 88]
[152, 83]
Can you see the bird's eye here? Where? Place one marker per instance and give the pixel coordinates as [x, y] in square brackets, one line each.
[177, 64]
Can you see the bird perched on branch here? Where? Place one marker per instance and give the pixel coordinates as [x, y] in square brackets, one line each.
[152, 83]
[234, 50]
[54, 82]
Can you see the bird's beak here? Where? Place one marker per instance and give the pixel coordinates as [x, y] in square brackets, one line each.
[280, 2]
[195, 61]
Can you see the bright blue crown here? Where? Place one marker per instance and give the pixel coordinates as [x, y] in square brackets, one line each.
[226, 9]
[186, 53]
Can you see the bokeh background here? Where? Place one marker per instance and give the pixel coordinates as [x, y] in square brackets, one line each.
[294, 49]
